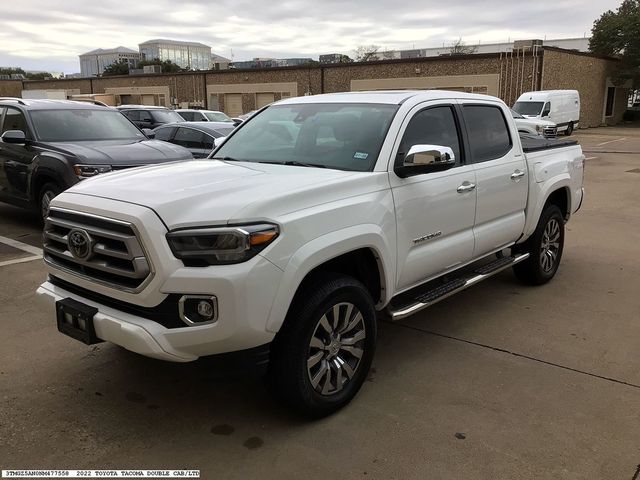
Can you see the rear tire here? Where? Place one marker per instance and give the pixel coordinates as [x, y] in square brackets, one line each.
[323, 352]
[544, 247]
[569, 130]
[47, 193]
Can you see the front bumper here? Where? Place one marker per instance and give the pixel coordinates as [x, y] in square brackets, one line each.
[149, 338]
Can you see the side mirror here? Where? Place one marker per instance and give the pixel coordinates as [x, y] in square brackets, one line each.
[236, 121]
[546, 113]
[14, 136]
[149, 133]
[426, 159]
[218, 141]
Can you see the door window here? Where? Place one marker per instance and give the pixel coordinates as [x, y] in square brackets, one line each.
[14, 120]
[488, 132]
[433, 126]
[189, 138]
[188, 116]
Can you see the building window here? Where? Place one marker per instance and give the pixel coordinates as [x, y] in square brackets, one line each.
[611, 96]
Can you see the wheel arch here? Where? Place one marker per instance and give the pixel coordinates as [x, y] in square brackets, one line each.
[360, 252]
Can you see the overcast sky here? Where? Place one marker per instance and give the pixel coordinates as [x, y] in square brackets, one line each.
[46, 35]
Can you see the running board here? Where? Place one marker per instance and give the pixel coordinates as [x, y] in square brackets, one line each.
[431, 297]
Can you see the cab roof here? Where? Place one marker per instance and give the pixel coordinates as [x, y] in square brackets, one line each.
[391, 97]
[46, 104]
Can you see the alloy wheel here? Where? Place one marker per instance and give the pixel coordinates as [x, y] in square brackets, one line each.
[336, 348]
[550, 246]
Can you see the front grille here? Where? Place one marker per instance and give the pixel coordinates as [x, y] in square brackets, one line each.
[113, 254]
[550, 132]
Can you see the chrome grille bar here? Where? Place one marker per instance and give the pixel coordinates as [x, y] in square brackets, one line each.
[113, 256]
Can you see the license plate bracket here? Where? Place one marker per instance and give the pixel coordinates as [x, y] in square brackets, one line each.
[75, 319]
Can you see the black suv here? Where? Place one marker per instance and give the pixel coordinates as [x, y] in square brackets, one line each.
[150, 117]
[46, 146]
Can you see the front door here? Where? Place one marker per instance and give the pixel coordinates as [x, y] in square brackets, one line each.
[15, 159]
[501, 176]
[434, 211]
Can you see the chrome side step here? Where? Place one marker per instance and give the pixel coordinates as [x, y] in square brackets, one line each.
[431, 297]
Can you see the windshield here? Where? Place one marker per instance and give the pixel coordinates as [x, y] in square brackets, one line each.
[79, 125]
[217, 117]
[343, 136]
[166, 116]
[515, 114]
[528, 108]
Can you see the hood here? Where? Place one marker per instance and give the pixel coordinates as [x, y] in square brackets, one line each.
[117, 152]
[212, 192]
[535, 121]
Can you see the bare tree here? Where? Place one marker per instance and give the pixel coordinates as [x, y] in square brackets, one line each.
[366, 53]
[460, 48]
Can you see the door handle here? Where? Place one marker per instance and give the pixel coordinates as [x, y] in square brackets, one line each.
[466, 187]
[517, 174]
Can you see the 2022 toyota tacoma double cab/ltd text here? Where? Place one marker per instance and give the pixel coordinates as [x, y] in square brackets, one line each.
[48, 145]
[313, 216]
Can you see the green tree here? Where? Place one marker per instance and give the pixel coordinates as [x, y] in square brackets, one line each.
[617, 33]
[121, 67]
[167, 65]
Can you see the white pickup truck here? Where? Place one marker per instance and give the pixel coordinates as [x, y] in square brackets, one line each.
[313, 216]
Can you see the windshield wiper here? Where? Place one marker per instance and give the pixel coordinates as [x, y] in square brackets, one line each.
[226, 159]
[295, 163]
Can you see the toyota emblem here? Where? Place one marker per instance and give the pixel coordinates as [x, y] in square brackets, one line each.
[80, 244]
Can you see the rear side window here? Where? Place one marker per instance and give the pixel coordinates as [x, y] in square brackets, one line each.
[488, 132]
[433, 126]
[189, 138]
[163, 133]
[188, 116]
[132, 115]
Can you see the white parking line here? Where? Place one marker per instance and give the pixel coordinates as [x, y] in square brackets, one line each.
[21, 246]
[20, 260]
[611, 141]
[590, 158]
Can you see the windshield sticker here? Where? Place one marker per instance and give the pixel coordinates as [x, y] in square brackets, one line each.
[360, 155]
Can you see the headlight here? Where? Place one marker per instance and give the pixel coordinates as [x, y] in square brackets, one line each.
[221, 246]
[539, 128]
[86, 171]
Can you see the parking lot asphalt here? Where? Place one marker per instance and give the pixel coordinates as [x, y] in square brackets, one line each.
[502, 381]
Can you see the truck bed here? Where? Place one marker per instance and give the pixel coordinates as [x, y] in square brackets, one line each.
[535, 143]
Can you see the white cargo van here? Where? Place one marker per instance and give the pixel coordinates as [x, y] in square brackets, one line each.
[562, 107]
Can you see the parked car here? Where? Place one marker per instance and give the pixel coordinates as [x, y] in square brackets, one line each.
[148, 116]
[193, 115]
[561, 107]
[197, 137]
[286, 244]
[46, 146]
[535, 126]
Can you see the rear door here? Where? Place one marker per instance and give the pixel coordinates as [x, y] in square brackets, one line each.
[501, 176]
[434, 214]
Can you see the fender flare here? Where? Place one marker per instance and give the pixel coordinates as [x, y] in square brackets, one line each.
[325, 248]
[53, 166]
[546, 189]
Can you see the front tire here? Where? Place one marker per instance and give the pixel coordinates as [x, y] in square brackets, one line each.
[323, 352]
[545, 248]
[47, 193]
[569, 130]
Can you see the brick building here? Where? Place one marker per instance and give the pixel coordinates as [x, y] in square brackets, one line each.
[502, 75]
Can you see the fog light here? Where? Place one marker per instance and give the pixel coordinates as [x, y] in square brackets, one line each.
[198, 309]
